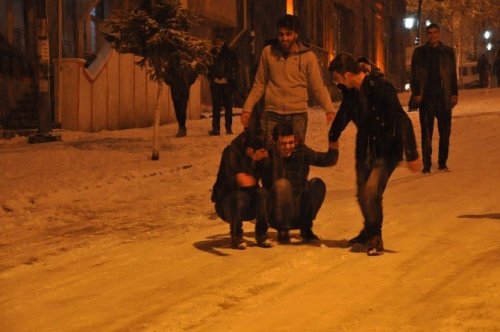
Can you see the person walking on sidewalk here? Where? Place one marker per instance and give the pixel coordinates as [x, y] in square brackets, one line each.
[223, 82]
[287, 70]
[434, 88]
[179, 79]
[384, 132]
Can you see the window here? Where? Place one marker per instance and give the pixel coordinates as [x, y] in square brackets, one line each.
[19, 28]
[93, 26]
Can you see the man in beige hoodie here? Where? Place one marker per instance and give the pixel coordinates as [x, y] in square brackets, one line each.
[287, 69]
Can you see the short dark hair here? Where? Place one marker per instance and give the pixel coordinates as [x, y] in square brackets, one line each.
[432, 26]
[282, 129]
[344, 62]
[291, 22]
[254, 140]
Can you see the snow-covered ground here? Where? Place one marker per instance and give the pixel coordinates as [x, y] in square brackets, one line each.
[94, 236]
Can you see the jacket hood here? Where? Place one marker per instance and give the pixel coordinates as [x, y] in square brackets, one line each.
[277, 51]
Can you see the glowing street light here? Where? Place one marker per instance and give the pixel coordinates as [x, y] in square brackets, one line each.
[489, 46]
[427, 23]
[487, 34]
[409, 22]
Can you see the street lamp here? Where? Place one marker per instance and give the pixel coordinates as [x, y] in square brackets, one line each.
[487, 34]
[409, 22]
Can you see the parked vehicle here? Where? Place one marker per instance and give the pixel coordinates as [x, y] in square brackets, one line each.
[468, 75]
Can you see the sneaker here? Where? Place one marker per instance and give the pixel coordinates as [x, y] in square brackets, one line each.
[375, 246]
[181, 132]
[308, 236]
[264, 243]
[238, 243]
[361, 238]
[283, 236]
[426, 170]
[213, 132]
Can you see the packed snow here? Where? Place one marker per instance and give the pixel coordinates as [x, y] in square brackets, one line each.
[94, 236]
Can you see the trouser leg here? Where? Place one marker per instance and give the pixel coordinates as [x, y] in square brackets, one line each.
[180, 97]
[234, 208]
[228, 106]
[371, 183]
[282, 199]
[444, 128]
[263, 209]
[312, 199]
[215, 90]
[426, 116]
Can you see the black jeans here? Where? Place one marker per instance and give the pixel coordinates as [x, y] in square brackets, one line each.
[221, 96]
[371, 182]
[241, 205]
[434, 107]
[290, 212]
[180, 96]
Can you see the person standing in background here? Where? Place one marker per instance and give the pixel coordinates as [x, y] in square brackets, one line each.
[434, 88]
[223, 82]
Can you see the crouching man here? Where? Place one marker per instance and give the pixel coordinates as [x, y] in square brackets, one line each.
[236, 192]
[295, 199]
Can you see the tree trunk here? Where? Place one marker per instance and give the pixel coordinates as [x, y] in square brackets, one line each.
[156, 125]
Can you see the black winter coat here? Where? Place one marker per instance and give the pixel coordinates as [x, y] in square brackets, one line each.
[234, 160]
[225, 65]
[384, 129]
[448, 71]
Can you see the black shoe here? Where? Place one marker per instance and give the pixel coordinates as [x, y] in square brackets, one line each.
[229, 131]
[361, 238]
[214, 132]
[181, 132]
[426, 170]
[264, 242]
[238, 243]
[307, 235]
[375, 246]
[443, 168]
[283, 236]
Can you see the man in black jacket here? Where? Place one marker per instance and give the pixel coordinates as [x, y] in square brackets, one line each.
[223, 82]
[179, 79]
[435, 91]
[236, 192]
[384, 132]
[295, 199]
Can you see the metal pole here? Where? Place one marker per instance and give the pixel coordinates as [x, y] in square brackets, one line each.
[60, 53]
[43, 77]
[417, 38]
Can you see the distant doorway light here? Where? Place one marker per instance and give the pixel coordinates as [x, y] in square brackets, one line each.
[289, 7]
[409, 22]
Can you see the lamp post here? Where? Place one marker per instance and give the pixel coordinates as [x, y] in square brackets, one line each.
[43, 77]
[419, 14]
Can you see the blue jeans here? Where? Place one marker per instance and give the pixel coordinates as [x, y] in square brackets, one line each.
[298, 121]
[371, 181]
[241, 205]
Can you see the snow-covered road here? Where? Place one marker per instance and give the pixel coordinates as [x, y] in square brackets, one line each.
[94, 236]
